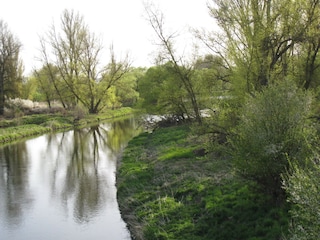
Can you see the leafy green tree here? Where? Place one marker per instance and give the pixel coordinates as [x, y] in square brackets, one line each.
[113, 100]
[29, 88]
[76, 54]
[45, 86]
[211, 80]
[261, 36]
[149, 87]
[173, 96]
[11, 68]
[161, 92]
[273, 128]
[126, 88]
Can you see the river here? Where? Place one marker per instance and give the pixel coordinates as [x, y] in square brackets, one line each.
[62, 185]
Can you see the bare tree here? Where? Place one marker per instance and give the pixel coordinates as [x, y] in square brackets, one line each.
[184, 71]
[10, 64]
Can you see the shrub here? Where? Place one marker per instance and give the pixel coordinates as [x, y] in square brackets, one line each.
[303, 190]
[79, 112]
[272, 128]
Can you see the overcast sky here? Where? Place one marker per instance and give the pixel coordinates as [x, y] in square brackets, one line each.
[118, 22]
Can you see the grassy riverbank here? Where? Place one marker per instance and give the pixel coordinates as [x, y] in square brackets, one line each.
[37, 124]
[167, 191]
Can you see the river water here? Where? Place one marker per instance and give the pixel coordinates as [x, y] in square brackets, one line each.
[62, 186]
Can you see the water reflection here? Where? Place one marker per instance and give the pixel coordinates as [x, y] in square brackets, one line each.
[14, 183]
[66, 180]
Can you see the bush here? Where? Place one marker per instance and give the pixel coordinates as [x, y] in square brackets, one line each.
[79, 112]
[272, 128]
[302, 187]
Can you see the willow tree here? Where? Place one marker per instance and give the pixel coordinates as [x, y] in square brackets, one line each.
[77, 54]
[10, 65]
[261, 36]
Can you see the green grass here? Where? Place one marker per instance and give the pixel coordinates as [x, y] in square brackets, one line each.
[32, 125]
[37, 124]
[176, 153]
[166, 192]
[11, 134]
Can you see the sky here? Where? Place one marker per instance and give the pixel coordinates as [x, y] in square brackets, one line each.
[118, 22]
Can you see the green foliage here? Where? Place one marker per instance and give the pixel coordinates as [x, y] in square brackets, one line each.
[149, 90]
[126, 88]
[49, 86]
[262, 38]
[211, 80]
[161, 92]
[302, 187]
[29, 89]
[273, 126]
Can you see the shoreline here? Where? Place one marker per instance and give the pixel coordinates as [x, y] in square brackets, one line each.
[20, 128]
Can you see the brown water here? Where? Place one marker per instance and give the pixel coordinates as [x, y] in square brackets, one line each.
[62, 186]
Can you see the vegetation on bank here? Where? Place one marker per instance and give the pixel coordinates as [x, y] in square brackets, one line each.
[32, 125]
[168, 188]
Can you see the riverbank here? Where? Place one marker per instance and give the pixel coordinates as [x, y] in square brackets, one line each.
[169, 189]
[37, 124]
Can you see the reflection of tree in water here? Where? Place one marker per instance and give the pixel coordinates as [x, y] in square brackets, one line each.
[120, 133]
[14, 192]
[82, 158]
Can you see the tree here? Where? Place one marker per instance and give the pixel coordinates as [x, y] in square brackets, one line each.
[29, 88]
[262, 35]
[211, 80]
[51, 76]
[76, 54]
[161, 92]
[149, 88]
[273, 128]
[126, 88]
[11, 68]
[47, 84]
[306, 62]
[183, 71]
